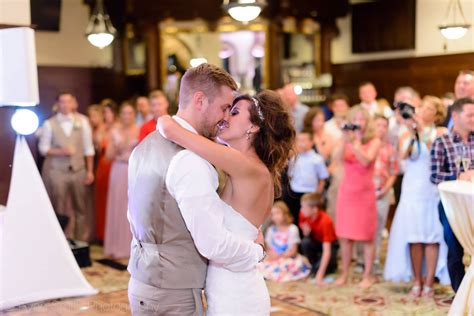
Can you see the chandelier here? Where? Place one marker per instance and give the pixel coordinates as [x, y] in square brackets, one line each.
[100, 32]
[243, 10]
[454, 29]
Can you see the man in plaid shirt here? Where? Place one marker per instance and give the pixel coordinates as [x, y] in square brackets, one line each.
[443, 168]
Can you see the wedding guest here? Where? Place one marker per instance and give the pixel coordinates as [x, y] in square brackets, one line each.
[283, 263]
[296, 108]
[159, 106]
[385, 173]
[68, 169]
[96, 120]
[463, 88]
[142, 106]
[102, 173]
[356, 213]
[416, 237]
[448, 99]
[314, 124]
[307, 173]
[368, 100]
[123, 139]
[443, 168]
[319, 244]
[110, 112]
[339, 105]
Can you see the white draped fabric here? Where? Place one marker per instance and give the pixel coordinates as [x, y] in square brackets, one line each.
[458, 202]
[36, 262]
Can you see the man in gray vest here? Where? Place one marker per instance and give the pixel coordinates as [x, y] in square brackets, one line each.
[175, 213]
[66, 142]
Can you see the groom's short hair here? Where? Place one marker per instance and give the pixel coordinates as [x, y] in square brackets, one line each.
[206, 78]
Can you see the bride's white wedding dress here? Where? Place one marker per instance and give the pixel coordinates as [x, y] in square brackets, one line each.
[236, 293]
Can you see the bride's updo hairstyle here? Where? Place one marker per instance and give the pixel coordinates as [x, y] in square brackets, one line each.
[274, 143]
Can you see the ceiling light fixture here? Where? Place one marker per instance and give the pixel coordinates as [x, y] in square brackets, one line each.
[243, 10]
[100, 32]
[454, 29]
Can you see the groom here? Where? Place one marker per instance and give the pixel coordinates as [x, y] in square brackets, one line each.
[175, 214]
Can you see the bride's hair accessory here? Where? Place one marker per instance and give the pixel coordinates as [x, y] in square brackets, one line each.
[259, 110]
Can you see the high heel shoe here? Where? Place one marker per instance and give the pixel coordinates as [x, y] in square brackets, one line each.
[428, 291]
[415, 291]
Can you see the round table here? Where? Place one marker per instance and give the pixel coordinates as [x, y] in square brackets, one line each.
[458, 202]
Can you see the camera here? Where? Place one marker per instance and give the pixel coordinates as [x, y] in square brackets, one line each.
[406, 110]
[350, 127]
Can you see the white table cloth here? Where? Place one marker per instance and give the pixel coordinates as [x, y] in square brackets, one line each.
[458, 202]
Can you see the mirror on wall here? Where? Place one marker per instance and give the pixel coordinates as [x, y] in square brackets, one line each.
[242, 50]
[300, 62]
[239, 49]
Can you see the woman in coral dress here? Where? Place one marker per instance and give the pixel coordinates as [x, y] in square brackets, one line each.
[356, 211]
[102, 173]
[123, 139]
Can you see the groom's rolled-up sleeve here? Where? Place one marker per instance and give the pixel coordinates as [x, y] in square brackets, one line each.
[192, 181]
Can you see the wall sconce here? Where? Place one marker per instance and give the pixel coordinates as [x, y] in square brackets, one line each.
[243, 10]
[100, 32]
[454, 29]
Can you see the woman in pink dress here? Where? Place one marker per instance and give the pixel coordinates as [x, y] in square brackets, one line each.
[123, 139]
[356, 212]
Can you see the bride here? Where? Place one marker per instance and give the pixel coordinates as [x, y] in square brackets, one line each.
[259, 136]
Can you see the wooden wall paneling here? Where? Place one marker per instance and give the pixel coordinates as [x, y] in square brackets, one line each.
[433, 75]
[53, 80]
[383, 26]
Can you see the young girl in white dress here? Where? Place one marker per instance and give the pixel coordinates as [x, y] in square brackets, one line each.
[283, 262]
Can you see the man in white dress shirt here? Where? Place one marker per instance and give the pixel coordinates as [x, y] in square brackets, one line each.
[297, 109]
[66, 143]
[339, 105]
[368, 100]
[175, 213]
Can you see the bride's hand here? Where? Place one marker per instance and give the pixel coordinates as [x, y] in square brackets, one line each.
[164, 125]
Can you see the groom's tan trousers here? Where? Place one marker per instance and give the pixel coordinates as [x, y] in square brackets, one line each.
[149, 300]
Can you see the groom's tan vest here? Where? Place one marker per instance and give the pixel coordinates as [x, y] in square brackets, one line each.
[163, 253]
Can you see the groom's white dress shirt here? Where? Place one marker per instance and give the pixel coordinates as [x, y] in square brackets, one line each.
[193, 183]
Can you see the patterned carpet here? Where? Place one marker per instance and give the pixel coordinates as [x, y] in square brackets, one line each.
[384, 298]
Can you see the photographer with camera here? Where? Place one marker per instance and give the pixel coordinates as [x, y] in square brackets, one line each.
[416, 225]
[356, 213]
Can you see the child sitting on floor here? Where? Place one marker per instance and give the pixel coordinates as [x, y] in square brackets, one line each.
[283, 263]
[319, 244]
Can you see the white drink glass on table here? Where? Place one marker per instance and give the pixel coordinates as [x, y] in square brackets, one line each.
[458, 158]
